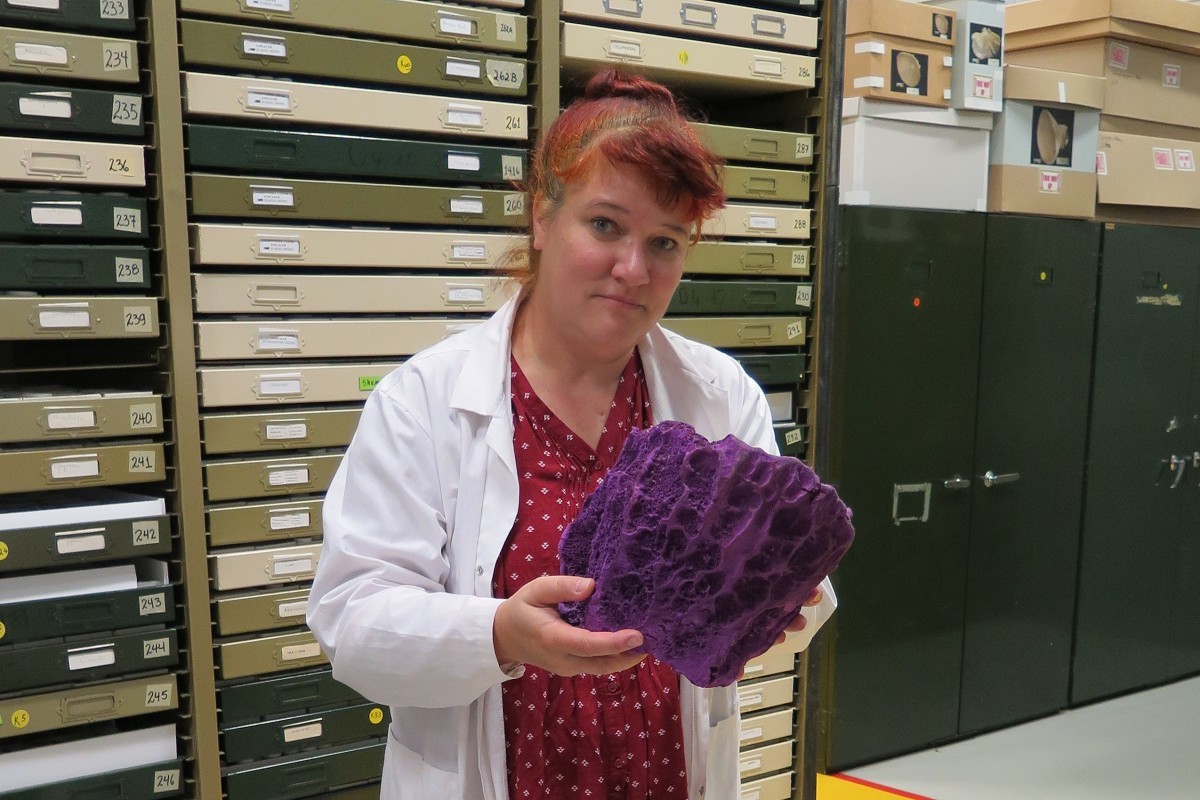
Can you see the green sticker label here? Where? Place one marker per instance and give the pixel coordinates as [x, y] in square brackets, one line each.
[369, 383]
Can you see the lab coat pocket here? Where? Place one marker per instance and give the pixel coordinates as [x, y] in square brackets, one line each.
[407, 776]
[721, 776]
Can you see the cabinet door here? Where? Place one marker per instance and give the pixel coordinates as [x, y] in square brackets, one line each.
[904, 382]
[1141, 412]
[1035, 361]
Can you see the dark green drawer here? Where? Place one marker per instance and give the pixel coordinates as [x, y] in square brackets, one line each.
[738, 297]
[283, 199]
[330, 728]
[274, 50]
[306, 775]
[74, 267]
[309, 691]
[220, 147]
[774, 369]
[792, 439]
[92, 613]
[90, 659]
[90, 543]
[69, 215]
[149, 782]
[29, 107]
[71, 15]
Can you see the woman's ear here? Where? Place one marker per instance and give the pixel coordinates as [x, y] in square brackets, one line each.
[537, 217]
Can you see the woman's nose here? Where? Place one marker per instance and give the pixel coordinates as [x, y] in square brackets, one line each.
[631, 266]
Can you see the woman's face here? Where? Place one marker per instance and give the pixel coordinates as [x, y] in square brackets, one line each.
[611, 258]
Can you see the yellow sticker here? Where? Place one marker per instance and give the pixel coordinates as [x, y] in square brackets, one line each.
[376, 716]
[683, 56]
[1043, 276]
[404, 64]
[3, 630]
[3, 551]
[20, 718]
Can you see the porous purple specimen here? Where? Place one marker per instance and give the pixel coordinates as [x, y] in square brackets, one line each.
[709, 549]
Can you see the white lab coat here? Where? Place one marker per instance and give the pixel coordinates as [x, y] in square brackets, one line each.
[415, 520]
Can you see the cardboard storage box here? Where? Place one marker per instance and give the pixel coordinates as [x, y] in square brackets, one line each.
[1044, 144]
[901, 18]
[1142, 82]
[1156, 174]
[892, 68]
[977, 81]
[913, 156]
[1166, 23]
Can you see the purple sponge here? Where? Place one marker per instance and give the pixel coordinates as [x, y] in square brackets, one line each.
[708, 549]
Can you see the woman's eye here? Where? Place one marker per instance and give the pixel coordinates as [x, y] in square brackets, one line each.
[603, 225]
[666, 244]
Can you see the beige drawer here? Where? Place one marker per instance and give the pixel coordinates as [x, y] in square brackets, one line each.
[346, 294]
[759, 26]
[62, 161]
[65, 709]
[338, 247]
[248, 569]
[68, 55]
[740, 331]
[776, 660]
[343, 106]
[241, 433]
[263, 655]
[331, 383]
[755, 144]
[776, 787]
[769, 222]
[323, 338]
[760, 183]
[242, 479]
[766, 726]
[749, 258]
[264, 522]
[80, 416]
[685, 62]
[75, 466]
[55, 318]
[766, 693]
[761, 760]
[260, 612]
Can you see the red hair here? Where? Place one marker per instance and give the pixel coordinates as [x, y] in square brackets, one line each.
[623, 120]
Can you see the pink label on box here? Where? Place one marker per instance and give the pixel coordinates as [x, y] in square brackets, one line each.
[1101, 162]
[983, 87]
[1172, 76]
[1163, 158]
[1118, 56]
[1051, 182]
[1185, 161]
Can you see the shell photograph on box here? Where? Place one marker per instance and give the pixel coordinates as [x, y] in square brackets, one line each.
[1053, 133]
[910, 72]
[986, 44]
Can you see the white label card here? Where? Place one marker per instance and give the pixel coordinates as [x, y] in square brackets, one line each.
[466, 205]
[278, 247]
[129, 270]
[68, 470]
[118, 56]
[795, 329]
[69, 420]
[70, 545]
[143, 416]
[464, 294]
[127, 220]
[800, 259]
[287, 477]
[292, 566]
[300, 733]
[763, 223]
[290, 521]
[156, 648]
[751, 794]
[166, 780]
[287, 431]
[804, 295]
[126, 109]
[152, 604]
[44, 107]
[456, 26]
[299, 651]
[114, 9]
[48, 5]
[506, 27]
[463, 162]
[506, 74]
[461, 68]
[65, 319]
[143, 461]
[794, 436]
[468, 252]
[750, 699]
[750, 733]
[284, 6]
[1185, 161]
[297, 608]
[512, 168]
[514, 205]
[268, 46]
[268, 101]
[90, 659]
[138, 319]
[71, 214]
[749, 764]
[620, 49]
[270, 342]
[40, 54]
[145, 533]
[283, 197]
[159, 695]
[270, 387]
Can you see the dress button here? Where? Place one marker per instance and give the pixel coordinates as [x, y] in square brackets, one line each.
[614, 687]
[621, 763]
[479, 570]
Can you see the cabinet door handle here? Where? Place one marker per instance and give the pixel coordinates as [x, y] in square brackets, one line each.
[957, 483]
[991, 479]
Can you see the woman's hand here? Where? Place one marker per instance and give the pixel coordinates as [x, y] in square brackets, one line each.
[794, 626]
[529, 629]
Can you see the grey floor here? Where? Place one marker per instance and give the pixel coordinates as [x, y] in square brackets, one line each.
[1144, 746]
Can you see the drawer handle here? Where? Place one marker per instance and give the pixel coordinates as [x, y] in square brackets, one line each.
[90, 707]
[767, 67]
[38, 162]
[275, 294]
[623, 8]
[762, 147]
[755, 332]
[768, 25]
[698, 15]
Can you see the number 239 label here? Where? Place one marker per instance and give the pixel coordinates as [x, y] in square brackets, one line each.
[138, 319]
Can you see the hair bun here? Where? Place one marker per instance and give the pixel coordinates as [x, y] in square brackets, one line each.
[614, 83]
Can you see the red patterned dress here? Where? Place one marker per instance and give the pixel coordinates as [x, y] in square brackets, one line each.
[604, 737]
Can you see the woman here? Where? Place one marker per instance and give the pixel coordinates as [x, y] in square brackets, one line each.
[438, 583]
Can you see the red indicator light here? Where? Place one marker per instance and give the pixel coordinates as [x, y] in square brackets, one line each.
[916, 302]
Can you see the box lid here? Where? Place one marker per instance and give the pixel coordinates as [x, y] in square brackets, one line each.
[1167, 23]
[901, 18]
[1147, 171]
[1053, 86]
[854, 107]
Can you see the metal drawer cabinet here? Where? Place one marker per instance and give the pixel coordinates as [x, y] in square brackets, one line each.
[39, 214]
[309, 774]
[766, 693]
[259, 740]
[62, 161]
[260, 611]
[749, 258]
[771, 222]
[761, 760]
[740, 297]
[291, 695]
[246, 569]
[49, 268]
[68, 55]
[34, 107]
[776, 787]
[71, 15]
[756, 144]
[72, 467]
[263, 655]
[82, 416]
[64, 709]
[741, 331]
[78, 317]
[95, 658]
[766, 726]
[67, 616]
[263, 522]
[327, 383]
[759, 183]
[149, 782]
[258, 432]
[774, 369]
[242, 479]
[89, 542]
[323, 338]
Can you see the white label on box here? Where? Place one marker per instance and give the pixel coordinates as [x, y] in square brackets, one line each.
[1101, 162]
[1172, 76]
[118, 56]
[869, 82]
[278, 341]
[287, 477]
[278, 197]
[794, 436]
[1118, 55]
[268, 101]
[40, 53]
[514, 205]
[269, 46]
[464, 162]
[49, 5]
[948, 61]
[90, 659]
[156, 648]
[466, 205]
[1062, 91]
[159, 695]
[52, 215]
[914, 90]
[267, 386]
[468, 252]
[67, 420]
[804, 295]
[278, 247]
[145, 533]
[750, 733]
[142, 461]
[795, 329]
[464, 117]
[464, 294]
[128, 270]
[803, 146]
[297, 608]
[750, 699]
[755, 669]
[1051, 181]
[1185, 161]
[512, 168]
[166, 780]
[271, 5]
[506, 27]
[983, 88]
[1164, 159]
[879, 48]
[752, 794]
[128, 220]
[622, 49]
[456, 26]
[42, 107]
[143, 416]
[68, 545]
[800, 258]
[292, 566]
[67, 470]
[152, 604]
[299, 651]
[505, 74]
[299, 733]
[749, 764]
[290, 521]
[461, 68]
[114, 9]
[64, 319]
[126, 109]
[283, 432]
[137, 319]
[762, 223]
